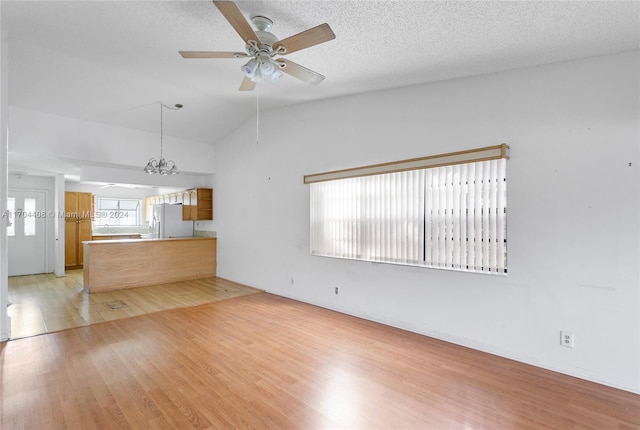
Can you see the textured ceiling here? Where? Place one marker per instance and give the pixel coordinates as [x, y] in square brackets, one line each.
[112, 61]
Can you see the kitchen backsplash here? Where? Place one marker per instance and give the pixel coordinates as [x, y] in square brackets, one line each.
[204, 233]
[122, 230]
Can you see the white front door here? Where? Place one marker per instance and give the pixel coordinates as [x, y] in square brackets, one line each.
[26, 237]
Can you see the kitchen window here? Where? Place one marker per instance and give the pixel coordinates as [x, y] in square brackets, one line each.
[118, 212]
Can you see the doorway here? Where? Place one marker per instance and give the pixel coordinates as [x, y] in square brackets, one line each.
[26, 237]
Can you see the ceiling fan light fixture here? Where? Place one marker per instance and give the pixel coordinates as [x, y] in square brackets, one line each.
[267, 68]
[250, 68]
[262, 70]
[262, 47]
[277, 74]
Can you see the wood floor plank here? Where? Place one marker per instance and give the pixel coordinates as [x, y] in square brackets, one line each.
[46, 304]
[261, 361]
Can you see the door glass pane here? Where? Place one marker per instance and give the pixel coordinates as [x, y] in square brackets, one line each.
[11, 210]
[29, 217]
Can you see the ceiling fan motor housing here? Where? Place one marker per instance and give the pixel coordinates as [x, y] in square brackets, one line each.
[263, 25]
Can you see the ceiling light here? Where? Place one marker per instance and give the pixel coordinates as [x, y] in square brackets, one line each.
[162, 166]
[262, 68]
[267, 68]
[277, 74]
[249, 69]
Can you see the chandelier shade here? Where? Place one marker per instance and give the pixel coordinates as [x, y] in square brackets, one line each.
[161, 166]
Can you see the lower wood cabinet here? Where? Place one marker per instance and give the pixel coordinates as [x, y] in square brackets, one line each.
[75, 231]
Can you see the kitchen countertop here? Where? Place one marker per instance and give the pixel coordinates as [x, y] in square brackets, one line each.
[95, 242]
[114, 234]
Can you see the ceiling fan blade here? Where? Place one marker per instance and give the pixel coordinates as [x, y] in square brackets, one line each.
[232, 13]
[300, 72]
[207, 54]
[311, 37]
[247, 85]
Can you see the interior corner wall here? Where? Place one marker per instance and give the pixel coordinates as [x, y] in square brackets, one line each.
[573, 211]
[5, 324]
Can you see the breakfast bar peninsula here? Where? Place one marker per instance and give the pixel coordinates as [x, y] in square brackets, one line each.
[119, 264]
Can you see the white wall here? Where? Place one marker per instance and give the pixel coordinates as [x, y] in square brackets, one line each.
[573, 202]
[57, 136]
[5, 324]
[104, 154]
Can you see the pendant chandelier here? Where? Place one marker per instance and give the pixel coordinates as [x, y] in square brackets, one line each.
[162, 166]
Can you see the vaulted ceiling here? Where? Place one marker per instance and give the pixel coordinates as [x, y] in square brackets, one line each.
[113, 61]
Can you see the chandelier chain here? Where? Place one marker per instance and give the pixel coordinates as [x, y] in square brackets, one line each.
[161, 128]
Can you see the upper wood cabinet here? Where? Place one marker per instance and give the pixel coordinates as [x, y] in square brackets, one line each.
[79, 205]
[197, 204]
[186, 205]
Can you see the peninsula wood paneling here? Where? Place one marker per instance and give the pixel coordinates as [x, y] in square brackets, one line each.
[112, 265]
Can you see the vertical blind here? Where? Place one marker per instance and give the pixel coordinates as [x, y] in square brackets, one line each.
[450, 217]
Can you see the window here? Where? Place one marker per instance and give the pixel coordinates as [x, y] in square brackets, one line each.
[451, 217]
[119, 212]
[29, 217]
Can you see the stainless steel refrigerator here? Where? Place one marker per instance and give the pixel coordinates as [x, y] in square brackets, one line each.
[167, 222]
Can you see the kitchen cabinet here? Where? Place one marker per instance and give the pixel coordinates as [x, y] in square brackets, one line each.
[79, 211]
[186, 205]
[148, 210]
[78, 205]
[197, 204]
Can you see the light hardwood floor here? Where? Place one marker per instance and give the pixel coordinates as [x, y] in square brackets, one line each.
[265, 362]
[45, 304]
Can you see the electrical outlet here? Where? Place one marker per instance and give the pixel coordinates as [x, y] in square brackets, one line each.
[336, 290]
[566, 338]
[291, 281]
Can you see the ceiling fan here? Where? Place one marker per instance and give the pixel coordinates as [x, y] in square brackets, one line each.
[262, 47]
